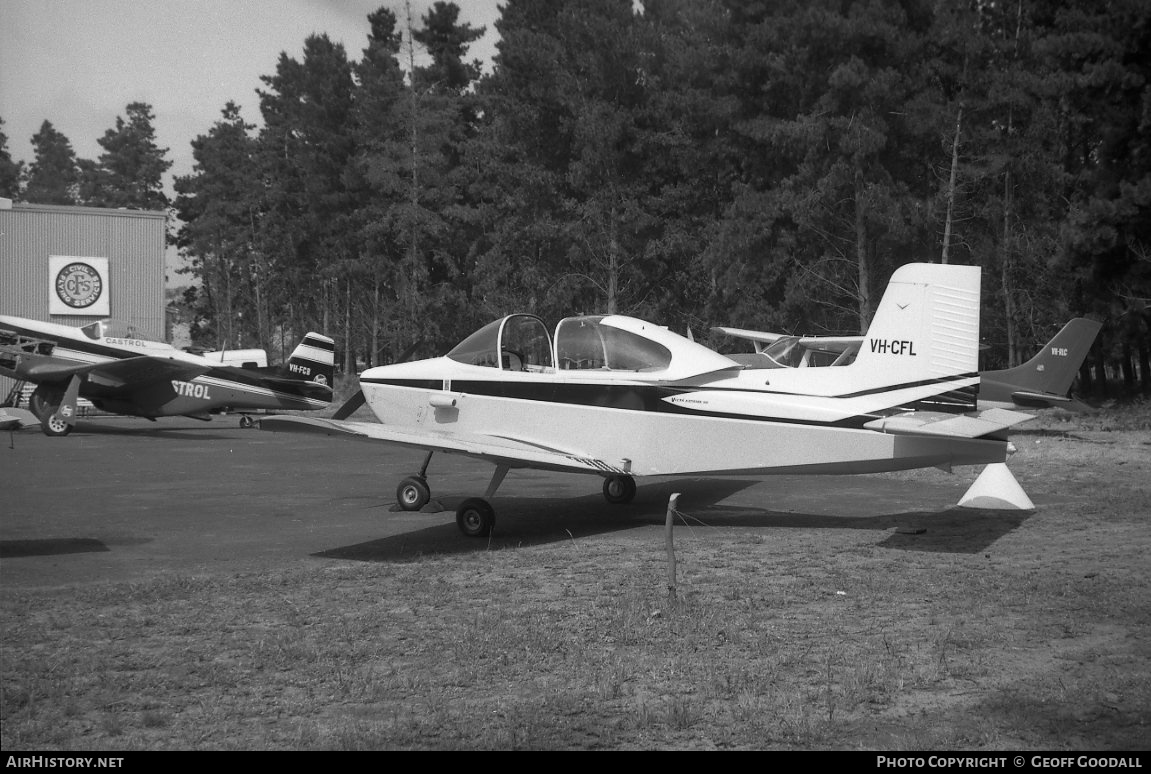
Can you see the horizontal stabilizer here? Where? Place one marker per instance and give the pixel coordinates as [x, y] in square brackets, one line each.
[1038, 399]
[949, 425]
[16, 418]
[314, 390]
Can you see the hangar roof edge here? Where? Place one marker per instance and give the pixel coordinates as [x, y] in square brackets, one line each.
[78, 210]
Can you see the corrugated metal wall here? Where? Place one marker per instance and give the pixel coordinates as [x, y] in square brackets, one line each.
[131, 240]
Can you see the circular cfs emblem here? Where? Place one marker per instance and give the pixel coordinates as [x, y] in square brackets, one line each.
[79, 285]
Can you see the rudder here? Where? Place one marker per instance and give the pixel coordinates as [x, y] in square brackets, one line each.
[314, 360]
[927, 325]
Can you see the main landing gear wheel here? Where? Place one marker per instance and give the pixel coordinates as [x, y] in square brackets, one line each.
[619, 489]
[55, 427]
[413, 493]
[44, 404]
[475, 517]
[246, 421]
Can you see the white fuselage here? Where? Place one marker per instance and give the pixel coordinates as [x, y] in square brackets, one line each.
[751, 421]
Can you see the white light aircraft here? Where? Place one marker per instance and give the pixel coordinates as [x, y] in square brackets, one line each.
[621, 398]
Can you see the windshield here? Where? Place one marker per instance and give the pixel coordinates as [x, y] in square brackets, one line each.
[791, 352]
[114, 329]
[519, 342]
[479, 348]
[525, 344]
[785, 352]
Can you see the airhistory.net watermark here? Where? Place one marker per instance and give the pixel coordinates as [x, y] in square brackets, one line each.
[60, 762]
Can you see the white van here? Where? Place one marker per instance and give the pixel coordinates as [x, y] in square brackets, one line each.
[244, 358]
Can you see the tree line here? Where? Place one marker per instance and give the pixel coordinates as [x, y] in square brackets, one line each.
[693, 162]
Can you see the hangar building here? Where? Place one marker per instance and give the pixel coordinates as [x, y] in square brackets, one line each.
[75, 265]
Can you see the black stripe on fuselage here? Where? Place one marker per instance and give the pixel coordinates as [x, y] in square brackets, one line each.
[920, 383]
[651, 398]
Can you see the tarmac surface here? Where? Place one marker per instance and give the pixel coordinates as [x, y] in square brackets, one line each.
[123, 499]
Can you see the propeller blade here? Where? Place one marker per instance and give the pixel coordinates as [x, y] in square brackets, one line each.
[350, 406]
[407, 353]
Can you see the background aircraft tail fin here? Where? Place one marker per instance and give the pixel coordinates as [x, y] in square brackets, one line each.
[926, 326]
[1055, 366]
[313, 360]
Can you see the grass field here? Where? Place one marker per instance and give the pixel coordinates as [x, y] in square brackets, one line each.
[954, 630]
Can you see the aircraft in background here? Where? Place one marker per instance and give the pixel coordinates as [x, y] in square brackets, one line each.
[109, 364]
[781, 350]
[621, 398]
[1045, 380]
[1042, 382]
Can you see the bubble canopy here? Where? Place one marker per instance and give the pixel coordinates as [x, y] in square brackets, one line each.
[588, 343]
[114, 329]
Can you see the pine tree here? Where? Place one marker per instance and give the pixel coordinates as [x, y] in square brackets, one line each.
[129, 173]
[10, 171]
[305, 149]
[1106, 92]
[562, 129]
[375, 180]
[218, 205]
[835, 146]
[54, 175]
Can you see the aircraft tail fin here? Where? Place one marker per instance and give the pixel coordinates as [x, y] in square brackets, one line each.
[924, 337]
[313, 360]
[1055, 366]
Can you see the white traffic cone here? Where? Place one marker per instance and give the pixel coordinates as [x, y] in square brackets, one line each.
[996, 489]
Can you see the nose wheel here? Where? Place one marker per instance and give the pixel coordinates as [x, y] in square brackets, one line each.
[618, 490]
[413, 493]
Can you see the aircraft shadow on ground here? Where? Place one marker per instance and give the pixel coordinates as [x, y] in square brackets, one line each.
[158, 430]
[1044, 432]
[13, 549]
[521, 522]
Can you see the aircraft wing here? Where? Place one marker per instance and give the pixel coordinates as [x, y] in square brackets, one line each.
[761, 337]
[307, 389]
[951, 425]
[505, 450]
[822, 343]
[132, 371]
